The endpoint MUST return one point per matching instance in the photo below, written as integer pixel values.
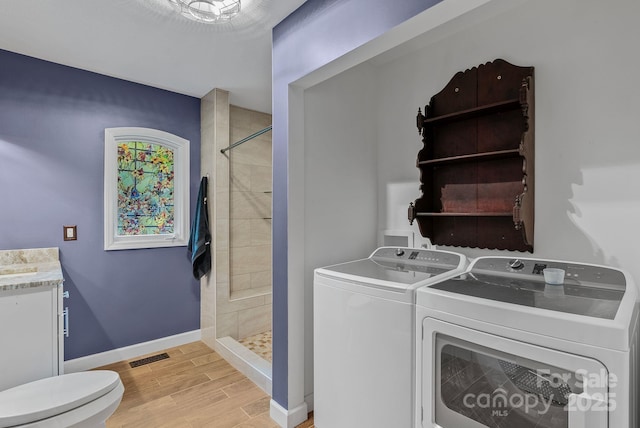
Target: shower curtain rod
(245, 139)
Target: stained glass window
(146, 189)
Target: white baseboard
(288, 418)
(309, 400)
(128, 352)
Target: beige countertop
(29, 268)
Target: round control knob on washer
(516, 264)
(399, 252)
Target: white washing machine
(498, 347)
(364, 318)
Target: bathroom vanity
(31, 316)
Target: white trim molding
(288, 418)
(128, 352)
(180, 148)
(257, 369)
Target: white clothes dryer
(498, 347)
(364, 317)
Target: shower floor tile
(259, 344)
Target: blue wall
(317, 33)
(52, 121)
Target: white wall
(340, 180)
(587, 107)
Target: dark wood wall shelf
(473, 112)
(483, 214)
(477, 156)
(477, 161)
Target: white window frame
(180, 147)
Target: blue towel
(199, 246)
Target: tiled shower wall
(249, 224)
(250, 204)
(236, 298)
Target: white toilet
(79, 400)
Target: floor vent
(151, 359)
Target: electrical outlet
(70, 233)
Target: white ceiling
(146, 41)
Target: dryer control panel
(532, 269)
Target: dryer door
(473, 379)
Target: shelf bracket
(420, 120)
(524, 101)
(411, 212)
(517, 218)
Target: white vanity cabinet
(31, 345)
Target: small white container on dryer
(553, 276)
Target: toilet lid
(52, 396)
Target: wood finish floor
(193, 388)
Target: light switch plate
(70, 233)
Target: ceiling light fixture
(207, 11)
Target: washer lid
(382, 273)
(397, 269)
(52, 396)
